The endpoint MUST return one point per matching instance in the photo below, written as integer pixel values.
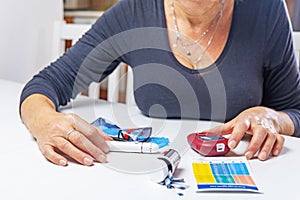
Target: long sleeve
(281, 74)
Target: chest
(163, 85)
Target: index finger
(222, 129)
(238, 132)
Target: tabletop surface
(26, 174)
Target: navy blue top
(256, 67)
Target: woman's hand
(265, 125)
(61, 136)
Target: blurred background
(102, 5)
(294, 11)
(88, 4)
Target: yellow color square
(203, 173)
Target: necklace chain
(195, 42)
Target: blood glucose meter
(208, 143)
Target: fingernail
(276, 153)
(102, 158)
(249, 155)
(263, 156)
(87, 161)
(232, 144)
(106, 149)
(62, 162)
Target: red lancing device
(208, 143)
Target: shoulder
(263, 11)
(260, 2)
(128, 15)
(266, 6)
(132, 7)
(135, 13)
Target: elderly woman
(222, 60)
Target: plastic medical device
(134, 147)
(208, 144)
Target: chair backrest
(114, 83)
(129, 88)
(296, 38)
(64, 31)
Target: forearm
(285, 124)
(33, 108)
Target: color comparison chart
(224, 174)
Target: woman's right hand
(63, 136)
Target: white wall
(26, 28)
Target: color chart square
(222, 173)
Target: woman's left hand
(265, 125)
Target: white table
(26, 174)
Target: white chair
(296, 38)
(129, 88)
(64, 31)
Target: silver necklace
(201, 36)
(184, 46)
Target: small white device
(240, 149)
(134, 147)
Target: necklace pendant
(188, 53)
